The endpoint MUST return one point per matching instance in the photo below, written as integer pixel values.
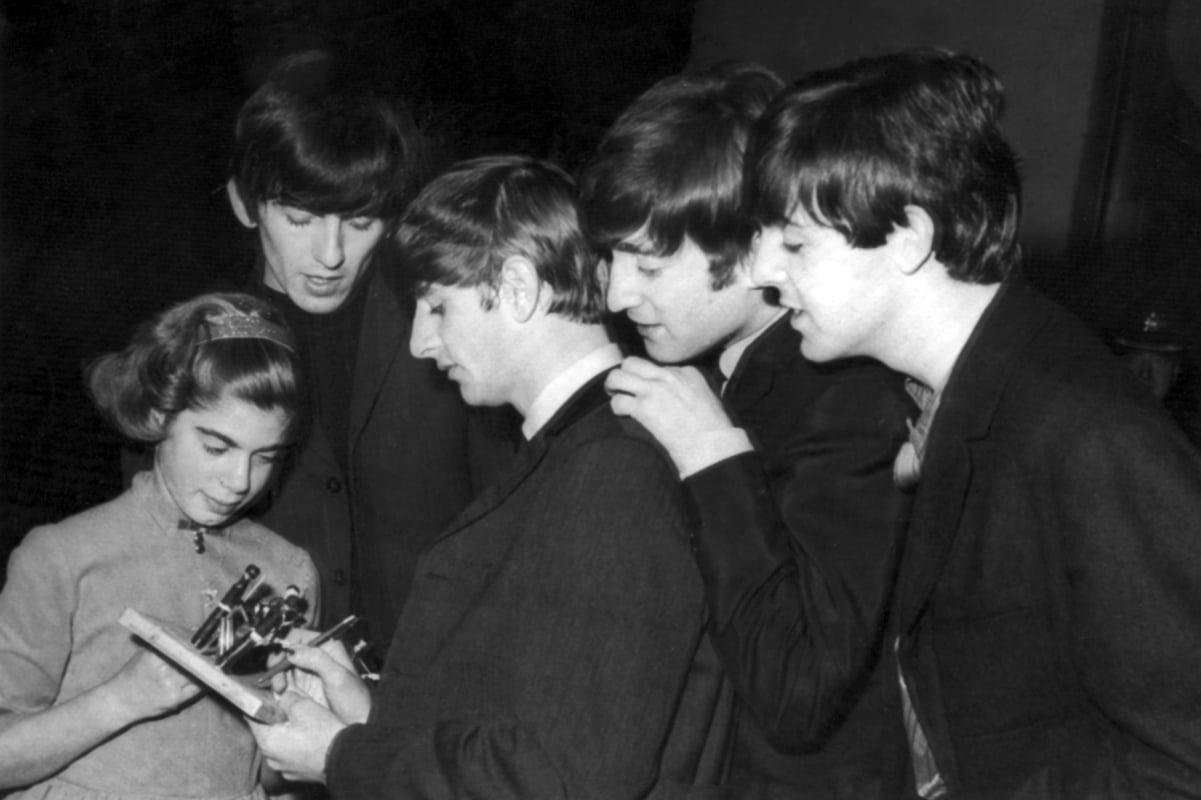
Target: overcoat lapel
(962, 423)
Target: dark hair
(673, 162)
(465, 223)
(317, 136)
(853, 146)
(194, 354)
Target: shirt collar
(556, 393)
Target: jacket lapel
(961, 425)
(531, 454)
(932, 527)
(755, 374)
(452, 573)
(460, 572)
(383, 336)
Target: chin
(208, 519)
(320, 305)
(470, 397)
(667, 354)
(213, 519)
(818, 353)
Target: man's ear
(914, 239)
(519, 287)
(158, 422)
(238, 204)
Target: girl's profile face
(216, 460)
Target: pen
(225, 606)
(322, 638)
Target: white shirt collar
(568, 382)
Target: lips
(222, 508)
(321, 285)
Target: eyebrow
(232, 443)
(217, 435)
(429, 292)
(635, 249)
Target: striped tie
(925, 769)
(907, 469)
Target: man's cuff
(707, 449)
(334, 753)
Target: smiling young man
(553, 645)
(1044, 626)
(323, 164)
(792, 458)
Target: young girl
(87, 711)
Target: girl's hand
(150, 686)
(38, 744)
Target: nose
(328, 247)
(237, 478)
(766, 264)
(422, 340)
(621, 293)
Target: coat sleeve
(799, 561)
(613, 615)
(1128, 500)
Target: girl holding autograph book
(87, 712)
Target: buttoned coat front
(552, 646)
(1046, 618)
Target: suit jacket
(412, 443)
(798, 544)
(553, 644)
(1047, 606)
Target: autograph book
(252, 702)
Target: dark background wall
(114, 121)
(114, 117)
(1104, 100)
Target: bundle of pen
(247, 623)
